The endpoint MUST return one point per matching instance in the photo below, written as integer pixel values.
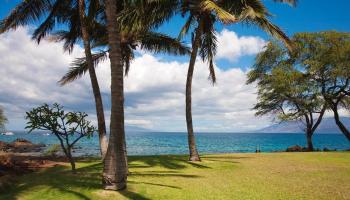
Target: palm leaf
(208, 45)
(80, 67)
(224, 16)
(157, 42)
(24, 13)
(184, 30)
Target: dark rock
(20, 146)
(295, 148)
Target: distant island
(327, 126)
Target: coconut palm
(84, 23)
(151, 41)
(202, 15)
(136, 14)
(3, 119)
(72, 14)
(114, 175)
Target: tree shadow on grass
(166, 161)
(59, 179)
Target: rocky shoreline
(19, 157)
(21, 146)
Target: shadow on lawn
(166, 161)
(88, 178)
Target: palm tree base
(194, 158)
(114, 187)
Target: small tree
(68, 127)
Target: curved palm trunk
(94, 83)
(114, 175)
(194, 156)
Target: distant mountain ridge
(130, 128)
(327, 125)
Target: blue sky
(155, 87)
(307, 16)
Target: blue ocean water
(156, 143)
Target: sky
(155, 86)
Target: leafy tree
(3, 119)
(286, 91)
(68, 127)
(326, 58)
(202, 16)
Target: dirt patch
(13, 165)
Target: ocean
(157, 143)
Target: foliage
(150, 41)
(202, 16)
(285, 89)
(326, 58)
(53, 150)
(3, 119)
(66, 126)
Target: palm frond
(57, 13)
(223, 15)
(68, 37)
(80, 67)
(184, 30)
(158, 42)
(132, 18)
(25, 13)
(254, 12)
(290, 2)
(208, 45)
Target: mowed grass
(224, 176)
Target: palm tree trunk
(94, 83)
(114, 175)
(194, 156)
(341, 126)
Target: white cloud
(154, 88)
(232, 47)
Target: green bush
(53, 150)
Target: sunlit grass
(223, 176)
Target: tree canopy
(68, 127)
(285, 90)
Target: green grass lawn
(223, 176)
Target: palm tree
(114, 175)
(151, 41)
(94, 83)
(3, 119)
(73, 14)
(202, 15)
